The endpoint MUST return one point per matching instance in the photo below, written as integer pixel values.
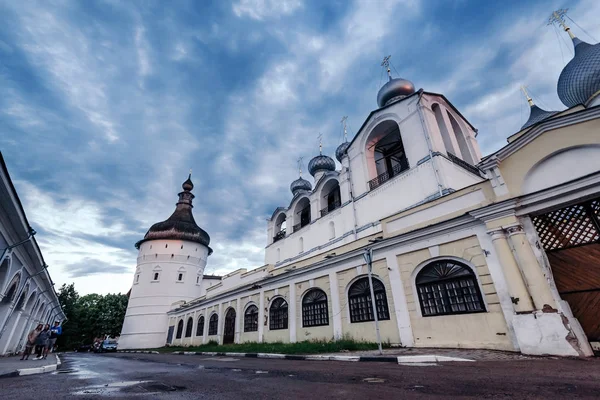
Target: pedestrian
(31, 340)
(41, 342)
(55, 332)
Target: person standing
(55, 332)
(31, 341)
(41, 342)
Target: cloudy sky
(105, 105)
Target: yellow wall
(467, 330)
(515, 167)
(365, 331)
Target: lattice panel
(596, 207)
(567, 227)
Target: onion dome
(321, 163)
(579, 81)
(536, 115)
(300, 184)
(181, 224)
(395, 89)
(340, 152)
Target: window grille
(448, 287)
(570, 226)
(200, 326)
(278, 314)
(179, 330)
(314, 309)
(189, 327)
(359, 298)
(213, 323)
(251, 319)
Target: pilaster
(292, 306)
(400, 305)
(335, 305)
(261, 316)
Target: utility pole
(368, 256)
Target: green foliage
(89, 316)
(306, 347)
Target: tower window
(137, 278)
(166, 245)
(156, 275)
(180, 277)
(198, 279)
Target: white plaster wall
(145, 323)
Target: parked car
(105, 346)
(83, 348)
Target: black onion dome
(341, 151)
(319, 163)
(394, 89)
(536, 115)
(300, 184)
(181, 224)
(579, 81)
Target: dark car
(83, 348)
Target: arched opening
(461, 140)
(251, 319)
(11, 292)
(229, 327)
(189, 327)
(331, 230)
(278, 314)
(213, 324)
(302, 214)
(4, 267)
(280, 226)
(314, 308)
(179, 329)
(439, 118)
(359, 298)
(200, 326)
(330, 198)
(448, 287)
(385, 153)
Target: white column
(9, 334)
(238, 318)
(220, 324)
(335, 306)
(205, 333)
(261, 316)
(292, 310)
(399, 300)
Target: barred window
(359, 297)
(314, 308)
(448, 287)
(213, 323)
(179, 329)
(200, 326)
(189, 327)
(278, 314)
(251, 319)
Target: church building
(496, 252)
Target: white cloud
(261, 9)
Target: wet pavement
(167, 376)
(13, 363)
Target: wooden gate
(571, 238)
(229, 331)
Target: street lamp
(368, 256)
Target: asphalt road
(125, 376)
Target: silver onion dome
(300, 184)
(395, 89)
(579, 81)
(320, 163)
(340, 152)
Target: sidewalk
(13, 366)
(471, 354)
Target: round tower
(170, 264)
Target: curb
(33, 371)
(315, 357)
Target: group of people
(42, 338)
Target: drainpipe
(428, 140)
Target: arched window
(359, 297)
(278, 314)
(331, 230)
(302, 214)
(448, 287)
(213, 324)
(200, 326)
(330, 197)
(439, 118)
(189, 327)
(251, 319)
(301, 245)
(179, 329)
(461, 140)
(156, 275)
(385, 153)
(314, 308)
(280, 226)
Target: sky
(105, 105)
